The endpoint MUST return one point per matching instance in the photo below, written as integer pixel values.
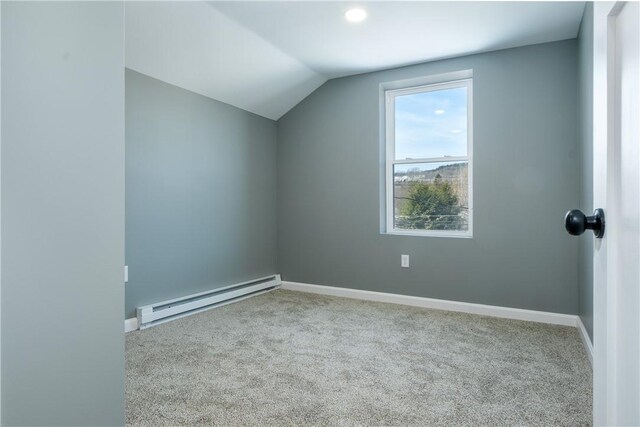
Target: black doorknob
(576, 222)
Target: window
(429, 159)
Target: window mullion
(449, 159)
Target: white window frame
(391, 91)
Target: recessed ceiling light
(439, 112)
(456, 131)
(355, 15)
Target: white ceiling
(196, 47)
(266, 56)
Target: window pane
(431, 196)
(431, 124)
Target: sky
(431, 124)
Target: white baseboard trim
(131, 324)
(438, 304)
(588, 346)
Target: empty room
(327, 213)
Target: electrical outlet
(126, 273)
(404, 261)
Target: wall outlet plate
(404, 261)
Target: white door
(617, 189)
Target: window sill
(417, 233)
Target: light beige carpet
(289, 358)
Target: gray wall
(62, 213)
(200, 193)
(585, 132)
(525, 179)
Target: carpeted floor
(289, 358)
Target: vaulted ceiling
(267, 56)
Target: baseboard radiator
(154, 314)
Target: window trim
(390, 91)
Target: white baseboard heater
(154, 314)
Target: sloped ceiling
(266, 56)
(194, 46)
